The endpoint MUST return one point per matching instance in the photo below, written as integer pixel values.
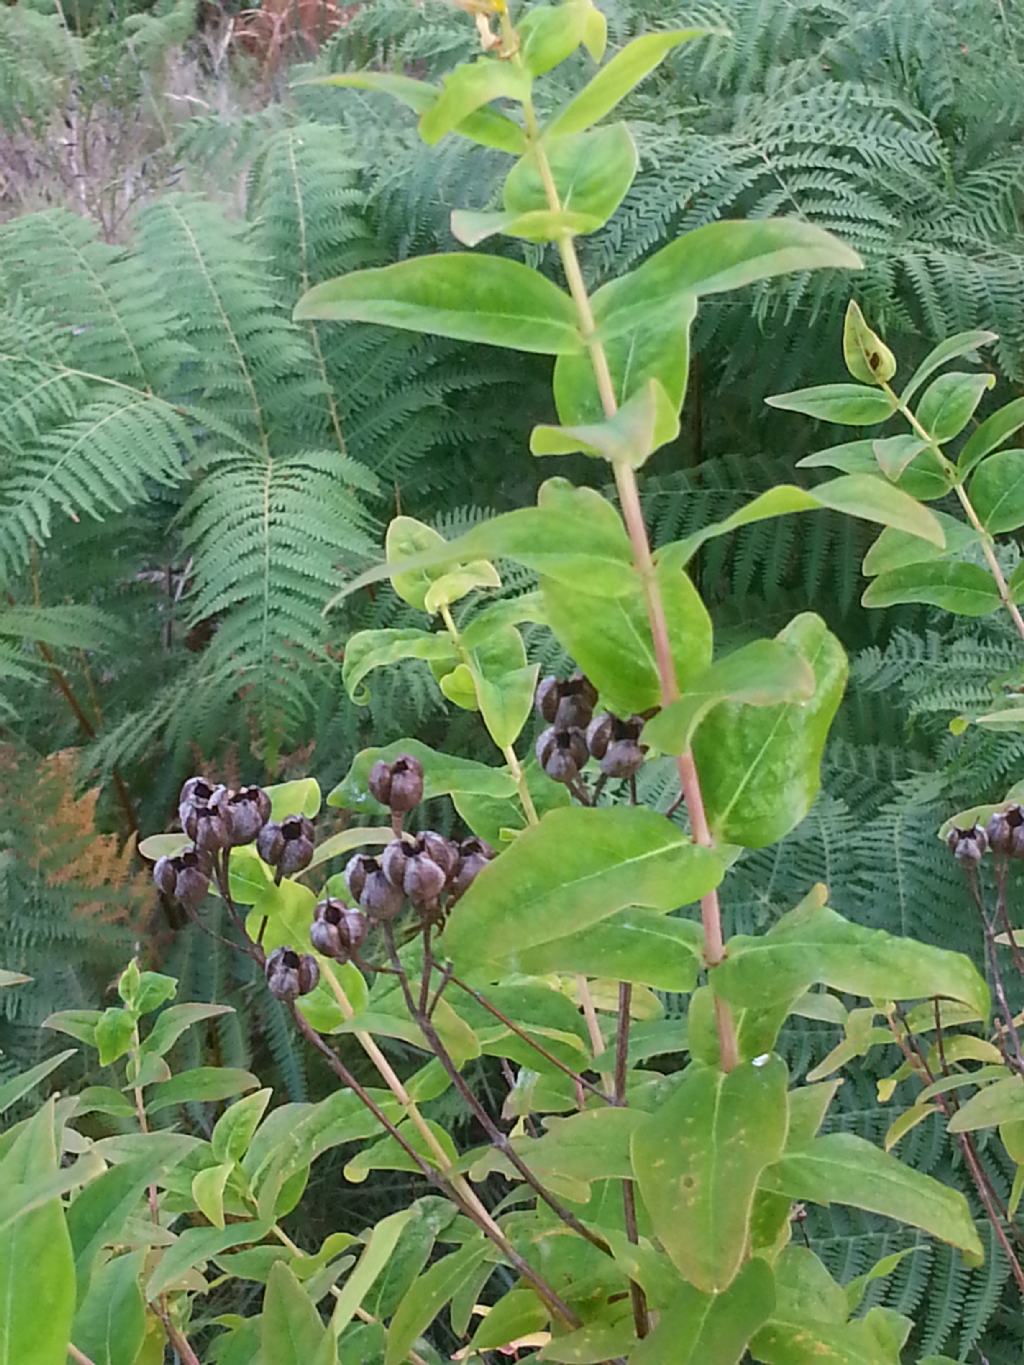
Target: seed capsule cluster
(574, 734)
(425, 871)
(1003, 834)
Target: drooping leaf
(471, 298)
(196, 1245)
(539, 225)
(614, 81)
(698, 1328)
(760, 766)
(814, 945)
(763, 673)
(966, 589)
(948, 404)
(379, 1246)
(575, 868)
(172, 1022)
(517, 1315)
(895, 453)
(698, 1160)
(842, 1168)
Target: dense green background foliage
(185, 472)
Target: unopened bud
(615, 744)
(249, 808)
(290, 974)
(184, 878)
(374, 891)
(288, 847)
(398, 784)
(968, 845)
(567, 704)
(338, 930)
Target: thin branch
(539, 1048)
(637, 1297)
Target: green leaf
(644, 422)
(174, 1021)
(12, 978)
(614, 81)
(698, 1329)
(408, 538)
(995, 429)
(592, 1145)
(596, 554)
(335, 845)
(454, 586)
(110, 1325)
(290, 1330)
(712, 259)
(842, 1168)
(467, 89)
(427, 1297)
(1002, 1102)
(997, 491)
(195, 1246)
(470, 298)
(592, 173)
(575, 868)
(485, 126)
(698, 1161)
(154, 990)
(856, 495)
(851, 457)
(857, 1288)
(13, 1090)
(498, 820)
(540, 225)
(896, 549)
(37, 1276)
(763, 673)
(443, 775)
(550, 33)
(301, 797)
(208, 1186)
(867, 357)
(388, 1154)
(948, 404)
(115, 1030)
(380, 1245)
(370, 649)
(761, 766)
(655, 348)
(895, 453)
(98, 1215)
(813, 945)
(517, 1314)
(849, 404)
(966, 589)
(200, 1085)
(610, 638)
(635, 945)
(961, 344)
(234, 1130)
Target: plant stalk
(629, 499)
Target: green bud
(867, 357)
